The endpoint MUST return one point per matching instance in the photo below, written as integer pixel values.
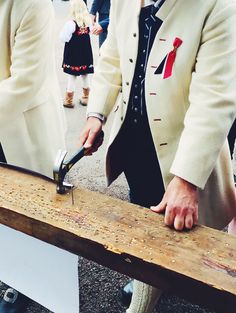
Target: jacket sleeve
(96, 6)
(212, 98)
(106, 83)
(28, 63)
(104, 24)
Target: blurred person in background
(101, 27)
(32, 122)
(102, 9)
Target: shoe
(125, 294)
(13, 302)
(84, 98)
(68, 101)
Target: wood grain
(199, 265)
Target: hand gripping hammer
(62, 167)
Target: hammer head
(59, 172)
(61, 167)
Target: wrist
(99, 116)
(185, 182)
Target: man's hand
(180, 203)
(88, 135)
(97, 29)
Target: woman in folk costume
(78, 56)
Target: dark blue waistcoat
(138, 155)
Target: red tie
(171, 58)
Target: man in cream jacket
(167, 75)
(32, 126)
(32, 129)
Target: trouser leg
(102, 38)
(2, 155)
(142, 169)
(146, 192)
(231, 137)
(143, 174)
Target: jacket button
(134, 34)
(127, 83)
(131, 60)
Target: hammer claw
(58, 165)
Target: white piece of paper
(43, 272)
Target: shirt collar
(149, 2)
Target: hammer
(62, 167)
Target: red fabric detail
(77, 68)
(171, 58)
(83, 31)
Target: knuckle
(171, 208)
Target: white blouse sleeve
(67, 31)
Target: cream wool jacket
(190, 112)
(32, 125)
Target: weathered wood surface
(199, 265)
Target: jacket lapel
(162, 44)
(165, 9)
(131, 41)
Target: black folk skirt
(78, 55)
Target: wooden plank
(199, 265)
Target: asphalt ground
(99, 286)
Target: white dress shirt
(149, 2)
(67, 31)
